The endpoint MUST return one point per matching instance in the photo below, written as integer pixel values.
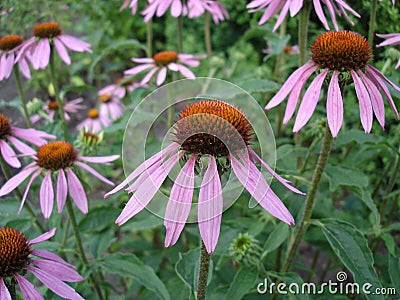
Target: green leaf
(288, 278)
(259, 85)
(99, 218)
(356, 136)
(343, 176)
(352, 249)
(276, 237)
(244, 280)
(394, 270)
(389, 243)
(129, 265)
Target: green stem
(149, 38)
(57, 94)
(203, 274)
(78, 240)
(303, 30)
(21, 96)
(179, 24)
(390, 186)
(207, 33)
(372, 20)
(322, 160)
(7, 173)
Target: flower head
(272, 7)
(342, 57)
(132, 5)
(59, 159)
(391, 39)
(110, 106)
(18, 256)
(51, 108)
(163, 61)
(94, 121)
(12, 135)
(46, 37)
(211, 129)
(9, 47)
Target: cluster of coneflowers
(204, 129)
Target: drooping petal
(76, 191)
(186, 72)
(334, 105)
(34, 176)
(94, 172)
(62, 190)
(147, 190)
(282, 15)
(161, 76)
(43, 237)
(46, 195)
(366, 114)
(139, 69)
(4, 293)
(99, 159)
(21, 147)
(27, 288)
(320, 13)
(56, 286)
(295, 7)
(50, 256)
(210, 206)
(17, 179)
(309, 101)
(176, 8)
(331, 10)
(42, 54)
(9, 154)
(31, 135)
(74, 44)
(379, 74)
(62, 51)
(148, 76)
(180, 201)
(58, 270)
(147, 60)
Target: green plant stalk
(12, 290)
(390, 186)
(21, 95)
(372, 20)
(322, 160)
(207, 33)
(7, 174)
(203, 274)
(78, 240)
(179, 24)
(57, 94)
(149, 38)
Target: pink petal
(58, 270)
(50, 256)
(334, 105)
(162, 7)
(295, 7)
(31, 135)
(148, 76)
(161, 76)
(320, 13)
(43, 237)
(46, 195)
(34, 176)
(210, 206)
(139, 69)
(331, 10)
(176, 8)
(9, 154)
(186, 72)
(379, 74)
(271, 10)
(24, 67)
(146, 192)
(62, 190)
(21, 147)
(289, 84)
(94, 172)
(99, 159)
(309, 101)
(366, 113)
(62, 51)
(4, 293)
(147, 60)
(41, 54)
(76, 191)
(179, 203)
(74, 44)
(56, 286)
(27, 288)
(282, 15)
(17, 179)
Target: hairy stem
(203, 274)
(372, 20)
(149, 38)
(21, 96)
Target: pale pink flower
(198, 7)
(46, 36)
(59, 159)
(94, 121)
(18, 257)
(9, 47)
(132, 5)
(163, 61)
(337, 55)
(110, 106)
(292, 50)
(70, 107)
(392, 39)
(7, 10)
(209, 128)
(12, 135)
(272, 7)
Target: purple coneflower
(121, 87)
(206, 128)
(341, 57)
(272, 7)
(17, 258)
(51, 108)
(11, 134)
(392, 39)
(132, 5)
(9, 47)
(291, 50)
(57, 158)
(161, 62)
(46, 36)
(94, 121)
(110, 106)
(198, 7)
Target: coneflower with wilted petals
(9, 47)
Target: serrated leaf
(276, 237)
(352, 249)
(243, 281)
(129, 265)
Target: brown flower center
(105, 98)
(53, 105)
(5, 127)
(166, 57)
(56, 155)
(341, 50)
(125, 82)
(93, 113)
(212, 127)
(9, 42)
(47, 30)
(14, 252)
